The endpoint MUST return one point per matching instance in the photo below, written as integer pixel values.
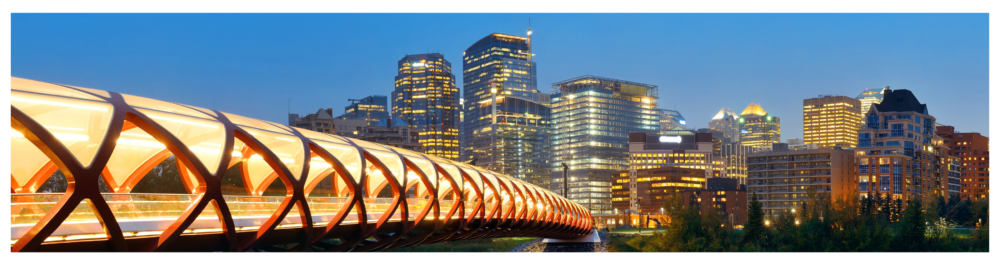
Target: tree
(753, 228)
(913, 227)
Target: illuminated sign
(670, 139)
(683, 123)
(418, 64)
(744, 131)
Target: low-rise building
(725, 196)
(395, 133)
(321, 121)
(782, 180)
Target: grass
(475, 245)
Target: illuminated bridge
(92, 170)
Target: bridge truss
(340, 194)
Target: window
(864, 140)
(884, 183)
(897, 176)
(897, 130)
(863, 166)
(883, 165)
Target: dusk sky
(252, 64)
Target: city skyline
(777, 64)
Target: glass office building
(671, 120)
(498, 68)
(371, 109)
(426, 98)
(726, 122)
(869, 97)
(592, 118)
(759, 129)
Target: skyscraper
(869, 97)
(592, 118)
(499, 77)
(759, 129)
(426, 98)
(371, 109)
(831, 121)
(898, 153)
(671, 120)
(726, 122)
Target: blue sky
(252, 64)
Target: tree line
(871, 223)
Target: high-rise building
(371, 109)
(671, 120)
(426, 98)
(499, 77)
(727, 122)
(759, 129)
(782, 179)
(869, 97)
(831, 121)
(591, 121)
(972, 152)
(898, 153)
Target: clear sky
(253, 64)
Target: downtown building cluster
(605, 143)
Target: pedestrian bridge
(92, 170)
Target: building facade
(591, 121)
(395, 133)
(971, 151)
(426, 98)
(371, 109)
(869, 97)
(499, 77)
(683, 149)
(898, 153)
(831, 121)
(652, 187)
(671, 120)
(728, 123)
(724, 196)
(321, 121)
(759, 129)
(782, 180)
(349, 127)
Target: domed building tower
(758, 129)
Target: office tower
(781, 179)
(971, 150)
(727, 122)
(591, 119)
(759, 129)
(321, 121)
(371, 109)
(898, 153)
(671, 120)
(499, 77)
(869, 97)
(426, 98)
(831, 121)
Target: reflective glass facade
(498, 68)
(371, 109)
(592, 118)
(671, 120)
(426, 98)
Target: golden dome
(753, 110)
